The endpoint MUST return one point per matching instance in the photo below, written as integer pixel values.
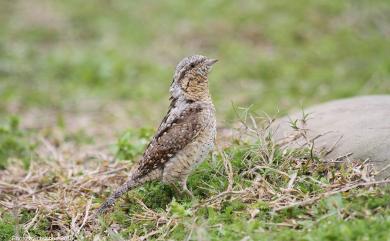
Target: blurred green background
(274, 55)
(93, 69)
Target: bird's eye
(192, 65)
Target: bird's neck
(184, 99)
(191, 97)
(199, 92)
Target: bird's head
(190, 79)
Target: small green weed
(132, 143)
(7, 226)
(14, 143)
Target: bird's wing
(171, 139)
(164, 122)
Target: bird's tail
(130, 184)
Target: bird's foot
(186, 190)
(183, 190)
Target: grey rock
(356, 128)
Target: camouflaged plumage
(175, 135)
(186, 134)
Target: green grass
(359, 214)
(109, 64)
(7, 227)
(274, 54)
(354, 215)
(14, 143)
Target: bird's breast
(180, 165)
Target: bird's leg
(177, 190)
(185, 188)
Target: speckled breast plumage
(179, 166)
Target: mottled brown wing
(173, 138)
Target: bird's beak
(210, 62)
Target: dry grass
(64, 185)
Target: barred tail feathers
(127, 186)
